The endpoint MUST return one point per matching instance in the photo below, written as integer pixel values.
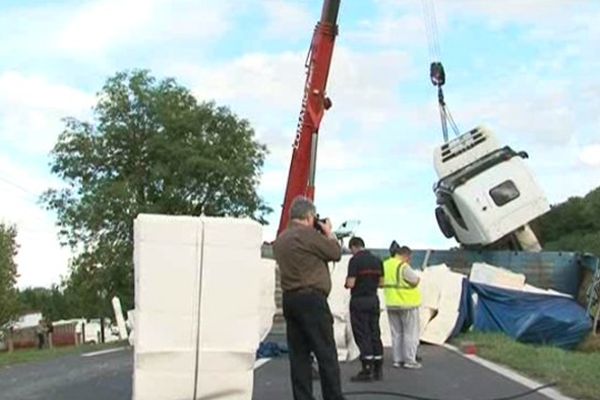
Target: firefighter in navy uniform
(365, 275)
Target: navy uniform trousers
(364, 317)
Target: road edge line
(511, 374)
(260, 362)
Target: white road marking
(512, 375)
(260, 362)
(101, 352)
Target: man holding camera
(302, 252)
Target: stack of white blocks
(442, 290)
(197, 302)
(339, 304)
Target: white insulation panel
(198, 288)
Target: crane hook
(437, 74)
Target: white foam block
(353, 352)
(170, 278)
(495, 276)
(339, 297)
(430, 286)
(168, 375)
(551, 292)
(198, 300)
(339, 304)
(384, 322)
(439, 328)
(439, 311)
(116, 303)
(425, 315)
(451, 293)
(267, 306)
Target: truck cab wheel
(444, 223)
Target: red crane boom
(301, 176)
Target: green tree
(151, 148)
(51, 302)
(9, 304)
(573, 225)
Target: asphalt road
(445, 375)
(73, 377)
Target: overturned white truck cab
(485, 192)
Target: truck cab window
(504, 193)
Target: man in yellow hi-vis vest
(402, 299)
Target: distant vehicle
(93, 331)
(486, 192)
(89, 331)
(28, 320)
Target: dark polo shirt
(302, 254)
(368, 270)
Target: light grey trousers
(404, 325)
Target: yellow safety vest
(397, 291)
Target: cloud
(31, 108)
(533, 11)
(110, 23)
(365, 86)
(28, 30)
(277, 80)
(250, 78)
(37, 92)
(273, 182)
(40, 259)
(97, 26)
(546, 116)
(288, 19)
(92, 30)
(590, 155)
(390, 29)
(267, 89)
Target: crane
(301, 176)
(485, 194)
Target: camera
(316, 223)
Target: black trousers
(40, 340)
(310, 329)
(364, 317)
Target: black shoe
(366, 373)
(378, 369)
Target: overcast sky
(526, 69)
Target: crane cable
(436, 70)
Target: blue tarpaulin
(465, 311)
(529, 317)
(270, 350)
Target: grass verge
(32, 355)
(576, 373)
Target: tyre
(444, 223)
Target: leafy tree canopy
(151, 148)
(9, 305)
(51, 302)
(573, 225)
